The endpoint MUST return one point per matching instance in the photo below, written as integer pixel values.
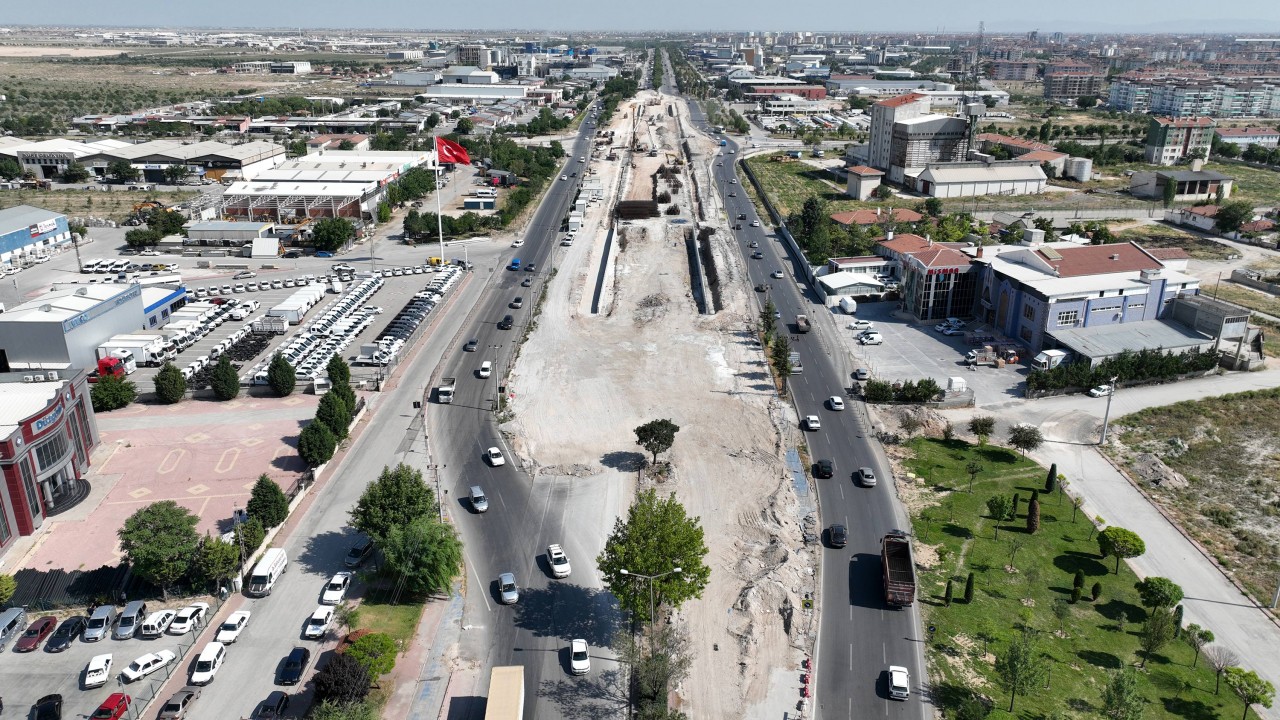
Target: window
(5, 532)
(1029, 312)
(1025, 334)
(51, 452)
(29, 486)
(1068, 317)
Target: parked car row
(342, 322)
(406, 322)
(242, 287)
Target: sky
(563, 16)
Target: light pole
(1106, 417)
(650, 579)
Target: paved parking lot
(915, 351)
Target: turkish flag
(448, 151)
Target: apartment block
(1169, 140)
(1066, 80)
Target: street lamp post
(650, 579)
(1106, 417)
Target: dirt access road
(585, 381)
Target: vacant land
(1244, 297)
(1025, 580)
(1253, 185)
(1159, 235)
(115, 205)
(1213, 465)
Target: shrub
(1095, 592)
(673, 210)
(171, 386)
(1079, 579)
(968, 589)
(112, 393)
(1075, 594)
(334, 414)
(316, 444)
(878, 391)
(1033, 513)
(946, 597)
(281, 376)
(224, 380)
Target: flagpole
(439, 219)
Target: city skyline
(560, 16)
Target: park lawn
(398, 621)
(1160, 235)
(1013, 589)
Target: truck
(506, 694)
(993, 355)
(796, 366)
(184, 334)
(1049, 359)
(123, 354)
(899, 569)
(108, 366)
(292, 312)
(269, 325)
(802, 323)
(444, 393)
(848, 305)
(148, 351)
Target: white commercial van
(268, 570)
(486, 193)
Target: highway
(860, 636)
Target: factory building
(65, 327)
(26, 233)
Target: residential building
(1244, 137)
(1067, 80)
(1169, 140)
(1190, 95)
(1194, 184)
(884, 115)
(1019, 70)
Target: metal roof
(1103, 341)
(21, 217)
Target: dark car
(359, 552)
(506, 323)
(295, 666)
(531, 267)
(527, 282)
(274, 706)
(838, 536)
(824, 469)
(180, 704)
(66, 633)
(35, 634)
(293, 254)
(49, 707)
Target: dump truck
(802, 323)
(899, 569)
(506, 694)
(444, 393)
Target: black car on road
(838, 535)
(824, 469)
(295, 666)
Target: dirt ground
(586, 381)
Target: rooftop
(864, 170)
(901, 100)
(1186, 122)
(19, 401)
(65, 303)
(23, 216)
(867, 216)
(1007, 171)
(1097, 259)
(1246, 131)
(1100, 341)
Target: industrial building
(1194, 184)
(980, 177)
(64, 327)
(47, 435)
(27, 232)
(47, 159)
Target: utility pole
(1106, 417)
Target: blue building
(27, 232)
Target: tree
(1025, 437)
(384, 212)
(1232, 215)
(1121, 544)
(465, 126)
(1051, 480)
(1170, 193)
(338, 371)
(968, 589)
(933, 207)
(160, 542)
(342, 680)
(982, 426)
(1095, 592)
(334, 413)
(397, 497)
(1251, 689)
(332, 233)
(175, 174)
(224, 380)
(140, 238)
(1121, 698)
(947, 596)
(75, 173)
(1021, 668)
(656, 538)
(112, 392)
(281, 376)
(329, 710)
(1220, 658)
(999, 508)
(1197, 637)
(10, 169)
(346, 145)
(8, 586)
(657, 436)
(347, 396)
(1158, 592)
(1062, 608)
(972, 468)
(1033, 513)
(217, 560)
(375, 651)
(267, 502)
(1084, 102)
(433, 120)
(249, 535)
(882, 192)
(424, 554)
(316, 444)
(1157, 631)
(768, 323)
(122, 170)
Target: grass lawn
(1160, 235)
(1018, 578)
(398, 621)
(1253, 185)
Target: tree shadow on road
(324, 552)
(603, 695)
(567, 611)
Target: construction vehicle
(899, 569)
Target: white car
(208, 662)
(231, 628)
(899, 682)
(97, 671)
(318, 623)
(518, 242)
(811, 422)
(336, 590)
(755, 223)
(871, 338)
(146, 665)
(157, 622)
(777, 275)
(559, 562)
(1101, 391)
(835, 402)
(579, 658)
(494, 457)
(861, 325)
(189, 618)
(149, 253)
(564, 177)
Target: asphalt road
(524, 515)
(860, 636)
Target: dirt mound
(1152, 469)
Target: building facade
(47, 433)
(1065, 81)
(884, 115)
(66, 326)
(27, 232)
(1169, 140)
(917, 142)
(1244, 137)
(1195, 96)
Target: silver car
(508, 593)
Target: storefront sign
(43, 423)
(41, 228)
(102, 308)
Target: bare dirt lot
(586, 381)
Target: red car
(113, 708)
(35, 634)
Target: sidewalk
(422, 676)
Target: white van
(268, 570)
(486, 193)
(207, 664)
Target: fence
(1253, 279)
